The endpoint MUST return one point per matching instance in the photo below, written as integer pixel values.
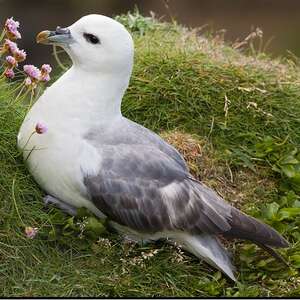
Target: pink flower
(11, 27)
(9, 73)
(33, 72)
(40, 128)
(45, 77)
(28, 81)
(20, 55)
(46, 68)
(11, 61)
(31, 232)
(9, 46)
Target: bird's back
(127, 132)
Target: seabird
(91, 156)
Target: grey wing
(143, 188)
(161, 144)
(127, 132)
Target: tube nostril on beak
(60, 30)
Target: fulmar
(93, 157)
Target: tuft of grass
(234, 116)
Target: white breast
(59, 158)
(76, 104)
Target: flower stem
(23, 149)
(58, 60)
(31, 99)
(15, 202)
(19, 95)
(29, 154)
(39, 89)
(2, 35)
(13, 91)
(21, 91)
(2, 75)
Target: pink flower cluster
(36, 75)
(12, 48)
(31, 232)
(11, 61)
(45, 71)
(15, 56)
(11, 29)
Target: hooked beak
(59, 36)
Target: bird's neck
(95, 94)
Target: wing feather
(148, 191)
(144, 184)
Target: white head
(95, 43)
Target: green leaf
(289, 160)
(288, 170)
(296, 260)
(288, 213)
(52, 235)
(70, 224)
(269, 212)
(296, 180)
(94, 226)
(289, 199)
(265, 147)
(296, 235)
(244, 158)
(296, 204)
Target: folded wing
(146, 190)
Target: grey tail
(208, 248)
(248, 228)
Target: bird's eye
(91, 38)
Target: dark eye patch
(91, 38)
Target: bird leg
(67, 208)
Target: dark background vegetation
(279, 20)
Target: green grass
(250, 155)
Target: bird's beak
(60, 36)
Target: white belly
(58, 160)
(62, 157)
